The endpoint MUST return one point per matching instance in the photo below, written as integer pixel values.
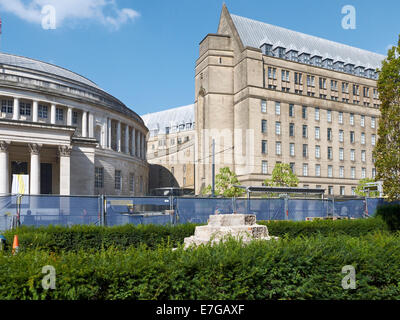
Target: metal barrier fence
(43, 210)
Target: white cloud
(103, 11)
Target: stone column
(84, 124)
(64, 153)
(35, 109)
(138, 144)
(34, 178)
(109, 136)
(143, 146)
(69, 116)
(133, 142)
(119, 136)
(127, 139)
(4, 172)
(16, 109)
(91, 125)
(53, 114)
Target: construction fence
(44, 210)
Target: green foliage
(360, 188)
(77, 238)
(225, 181)
(290, 268)
(57, 238)
(354, 228)
(390, 213)
(282, 176)
(387, 150)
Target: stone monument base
(239, 226)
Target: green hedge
(56, 238)
(390, 213)
(355, 228)
(94, 237)
(290, 268)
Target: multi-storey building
(65, 134)
(170, 147)
(277, 95)
(266, 95)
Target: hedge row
(55, 238)
(289, 268)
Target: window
(373, 122)
(362, 121)
(317, 133)
(353, 172)
(305, 169)
(292, 167)
(316, 114)
(24, 109)
(330, 153)
(117, 179)
(291, 129)
(352, 155)
(366, 92)
(341, 154)
(291, 110)
(345, 87)
(341, 172)
(330, 171)
(363, 155)
(285, 75)
(340, 118)
(373, 139)
(329, 115)
(291, 146)
(99, 177)
(263, 106)
(277, 108)
(132, 182)
(373, 173)
(263, 126)
(278, 148)
(271, 73)
(42, 111)
(322, 83)
(329, 134)
(341, 136)
(330, 190)
(264, 167)
(318, 170)
(298, 78)
(317, 152)
(342, 189)
(352, 137)
(59, 114)
(352, 119)
(277, 127)
(363, 173)
(264, 149)
(362, 138)
(304, 112)
(333, 85)
(310, 81)
(304, 131)
(7, 106)
(353, 191)
(356, 89)
(305, 150)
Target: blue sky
(144, 52)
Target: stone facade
(67, 134)
(241, 101)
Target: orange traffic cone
(15, 245)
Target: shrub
(390, 213)
(56, 238)
(290, 268)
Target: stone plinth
(239, 226)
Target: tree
(360, 188)
(224, 184)
(387, 150)
(282, 176)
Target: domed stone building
(67, 134)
